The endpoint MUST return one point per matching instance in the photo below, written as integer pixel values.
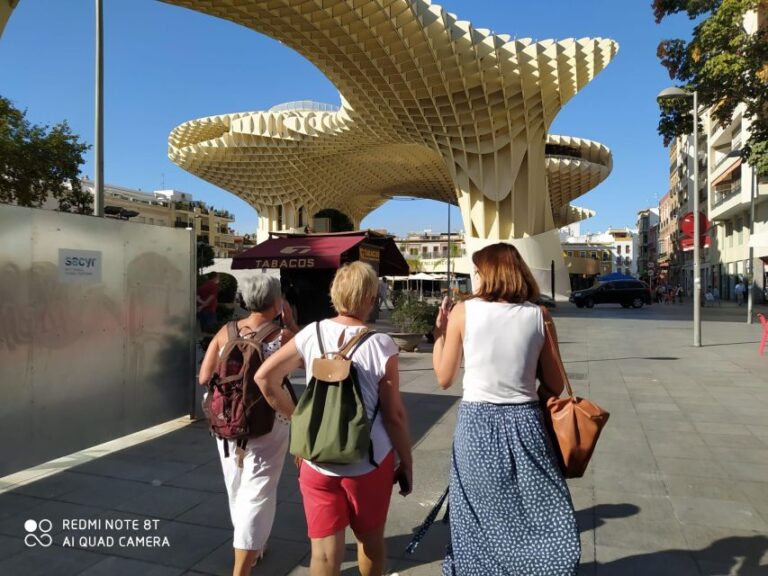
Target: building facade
(429, 251)
(169, 208)
(733, 191)
(647, 230)
(590, 255)
(728, 190)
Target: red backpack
(236, 408)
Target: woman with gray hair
(252, 486)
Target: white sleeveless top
(502, 343)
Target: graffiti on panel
(36, 306)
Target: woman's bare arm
(269, 377)
(211, 357)
(395, 418)
(447, 352)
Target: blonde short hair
(355, 286)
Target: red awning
(305, 252)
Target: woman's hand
(441, 322)
(288, 318)
(404, 476)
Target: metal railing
(723, 193)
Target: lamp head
(673, 92)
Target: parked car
(625, 292)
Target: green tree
(725, 63)
(40, 161)
(204, 257)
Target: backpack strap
(264, 331)
(319, 339)
(232, 331)
(354, 343)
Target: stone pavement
(678, 485)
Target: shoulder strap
(551, 340)
(232, 332)
(319, 339)
(264, 331)
(355, 342)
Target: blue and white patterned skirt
(510, 509)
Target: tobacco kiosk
(308, 262)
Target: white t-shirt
(502, 344)
(370, 359)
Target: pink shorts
(331, 503)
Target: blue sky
(166, 65)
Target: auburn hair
(504, 275)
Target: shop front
(308, 262)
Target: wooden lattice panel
(431, 107)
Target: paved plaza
(678, 485)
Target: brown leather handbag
(574, 424)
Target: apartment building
(431, 250)
(590, 255)
(647, 220)
(728, 188)
(170, 208)
(734, 188)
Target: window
(425, 249)
(593, 255)
(582, 254)
(414, 251)
(739, 232)
(618, 249)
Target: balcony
(724, 192)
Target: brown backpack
(237, 410)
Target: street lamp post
(670, 93)
(98, 148)
(448, 267)
(751, 269)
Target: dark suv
(625, 292)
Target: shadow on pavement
(176, 479)
(591, 518)
(735, 556)
(432, 547)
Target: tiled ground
(678, 485)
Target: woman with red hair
(510, 509)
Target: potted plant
(412, 319)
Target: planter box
(407, 341)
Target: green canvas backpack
(330, 424)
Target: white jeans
(252, 489)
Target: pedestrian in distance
(357, 494)
(384, 294)
(739, 291)
(252, 481)
(510, 508)
(679, 294)
(207, 302)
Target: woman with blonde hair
(510, 509)
(357, 495)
